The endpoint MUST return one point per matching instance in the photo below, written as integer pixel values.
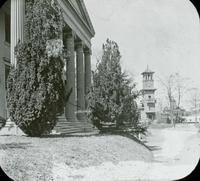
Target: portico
(78, 75)
(77, 34)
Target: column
(17, 25)
(80, 81)
(87, 56)
(70, 107)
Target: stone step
(73, 121)
(74, 124)
(9, 123)
(68, 131)
(73, 128)
(78, 129)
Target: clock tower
(148, 111)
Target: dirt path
(176, 153)
(168, 143)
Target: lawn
(32, 159)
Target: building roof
(147, 71)
(81, 10)
(77, 19)
(147, 90)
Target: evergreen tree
(35, 85)
(2, 122)
(111, 98)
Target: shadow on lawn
(117, 133)
(7, 146)
(69, 135)
(131, 136)
(154, 148)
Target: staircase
(62, 127)
(11, 128)
(65, 126)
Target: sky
(163, 34)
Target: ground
(32, 159)
(109, 158)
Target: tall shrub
(35, 85)
(111, 98)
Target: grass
(25, 158)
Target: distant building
(195, 109)
(147, 109)
(176, 113)
(194, 118)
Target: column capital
(87, 50)
(69, 33)
(78, 44)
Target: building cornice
(74, 20)
(85, 13)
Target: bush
(112, 96)
(35, 86)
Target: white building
(192, 118)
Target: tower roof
(147, 71)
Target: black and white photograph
(99, 90)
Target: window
(7, 70)
(151, 105)
(7, 28)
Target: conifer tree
(35, 86)
(111, 98)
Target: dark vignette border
(195, 175)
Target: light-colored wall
(146, 100)
(146, 95)
(192, 118)
(148, 84)
(4, 55)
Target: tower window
(7, 28)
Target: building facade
(148, 110)
(5, 61)
(77, 34)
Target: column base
(71, 119)
(81, 116)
